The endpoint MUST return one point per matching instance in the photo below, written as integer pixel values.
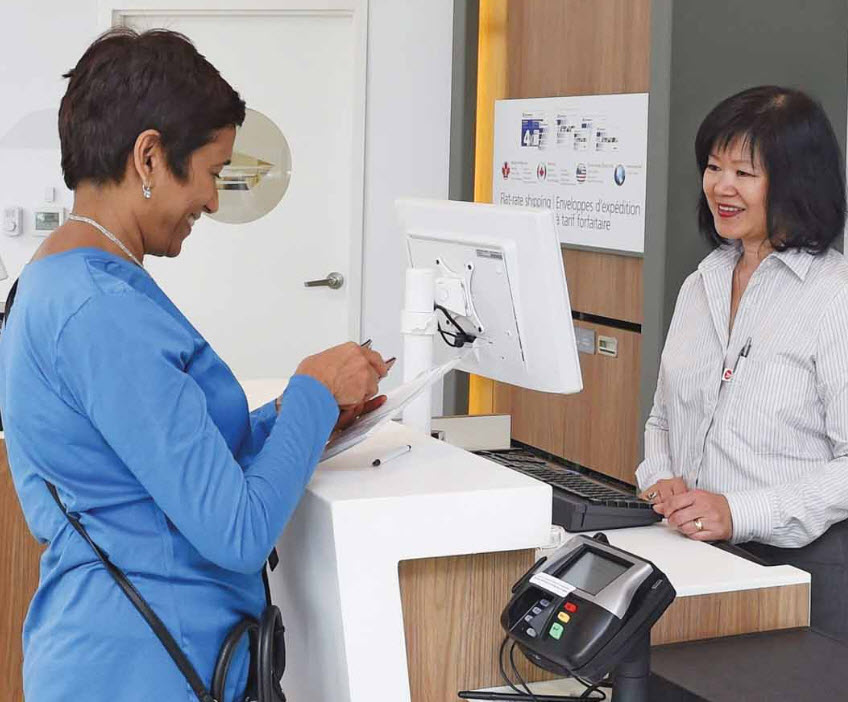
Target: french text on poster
(582, 157)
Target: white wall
(42, 40)
(407, 129)
(407, 147)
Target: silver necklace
(109, 235)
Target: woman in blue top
(110, 394)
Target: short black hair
(792, 137)
(127, 82)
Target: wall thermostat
(47, 219)
(12, 221)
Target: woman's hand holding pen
(350, 371)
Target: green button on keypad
(556, 630)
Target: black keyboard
(580, 502)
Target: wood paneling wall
(597, 428)
(619, 294)
(19, 554)
(451, 617)
(548, 48)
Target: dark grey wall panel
(702, 52)
(466, 15)
(720, 47)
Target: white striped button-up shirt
(774, 439)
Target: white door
(301, 64)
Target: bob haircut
(128, 82)
(792, 137)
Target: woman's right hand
(349, 371)
(662, 490)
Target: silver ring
(699, 525)
(651, 495)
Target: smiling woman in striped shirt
(747, 440)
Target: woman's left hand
(351, 414)
(689, 510)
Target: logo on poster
(505, 170)
(581, 172)
(541, 171)
(618, 174)
(531, 132)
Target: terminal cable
(456, 339)
(527, 695)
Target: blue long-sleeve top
(108, 392)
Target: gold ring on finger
(699, 525)
(651, 495)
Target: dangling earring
(145, 191)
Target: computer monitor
(499, 278)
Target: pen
(392, 454)
(389, 363)
(727, 374)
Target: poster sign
(582, 158)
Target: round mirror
(259, 173)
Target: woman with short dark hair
(748, 436)
(117, 409)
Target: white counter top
(697, 568)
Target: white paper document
(396, 400)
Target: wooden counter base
(452, 608)
(731, 613)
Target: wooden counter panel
(19, 554)
(452, 607)
(620, 295)
(732, 613)
(597, 428)
(451, 614)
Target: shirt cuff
(752, 516)
(318, 393)
(266, 414)
(648, 474)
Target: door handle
(333, 281)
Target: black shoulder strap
(133, 595)
(10, 298)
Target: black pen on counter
(392, 454)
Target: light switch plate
(585, 339)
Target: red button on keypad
(570, 607)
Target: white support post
(418, 327)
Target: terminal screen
(592, 572)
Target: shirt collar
(725, 256)
(796, 260)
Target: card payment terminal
(582, 611)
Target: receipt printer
(581, 611)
